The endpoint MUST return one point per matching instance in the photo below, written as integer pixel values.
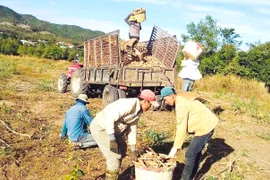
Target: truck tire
(77, 85)
(62, 83)
(109, 95)
(121, 93)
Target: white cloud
(53, 3)
(215, 10)
(158, 2)
(241, 2)
(262, 10)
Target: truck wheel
(78, 86)
(62, 83)
(121, 93)
(110, 94)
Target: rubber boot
(111, 175)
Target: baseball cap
(149, 95)
(166, 91)
(83, 97)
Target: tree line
(48, 50)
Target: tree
(39, 50)
(206, 32)
(10, 46)
(22, 51)
(256, 63)
(229, 36)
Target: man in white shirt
(115, 120)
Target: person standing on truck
(115, 121)
(134, 27)
(75, 125)
(192, 117)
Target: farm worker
(75, 124)
(77, 58)
(190, 72)
(116, 120)
(134, 26)
(192, 117)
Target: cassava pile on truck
(111, 71)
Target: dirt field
(30, 104)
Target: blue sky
(250, 19)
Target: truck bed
(105, 64)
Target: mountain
(28, 26)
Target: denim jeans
(88, 141)
(193, 155)
(187, 84)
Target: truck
(110, 73)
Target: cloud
(157, 2)
(262, 10)
(213, 10)
(53, 3)
(241, 2)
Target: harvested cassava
(155, 161)
(148, 61)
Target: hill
(30, 104)
(28, 26)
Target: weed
(75, 173)
(238, 106)
(5, 151)
(220, 93)
(46, 85)
(212, 178)
(5, 109)
(7, 69)
(72, 158)
(246, 153)
(141, 123)
(154, 138)
(264, 136)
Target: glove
(114, 146)
(172, 152)
(133, 156)
(62, 137)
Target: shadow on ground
(216, 150)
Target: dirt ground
(236, 151)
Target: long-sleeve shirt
(192, 117)
(134, 27)
(76, 121)
(190, 69)
(118, 116)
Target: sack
(192, 50)
(138, 14)
(188, 95)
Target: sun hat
(166, 91)
(83, 97)
(149, 95)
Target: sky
(249, 18)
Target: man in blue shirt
(75, 125)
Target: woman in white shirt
(189, 73)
